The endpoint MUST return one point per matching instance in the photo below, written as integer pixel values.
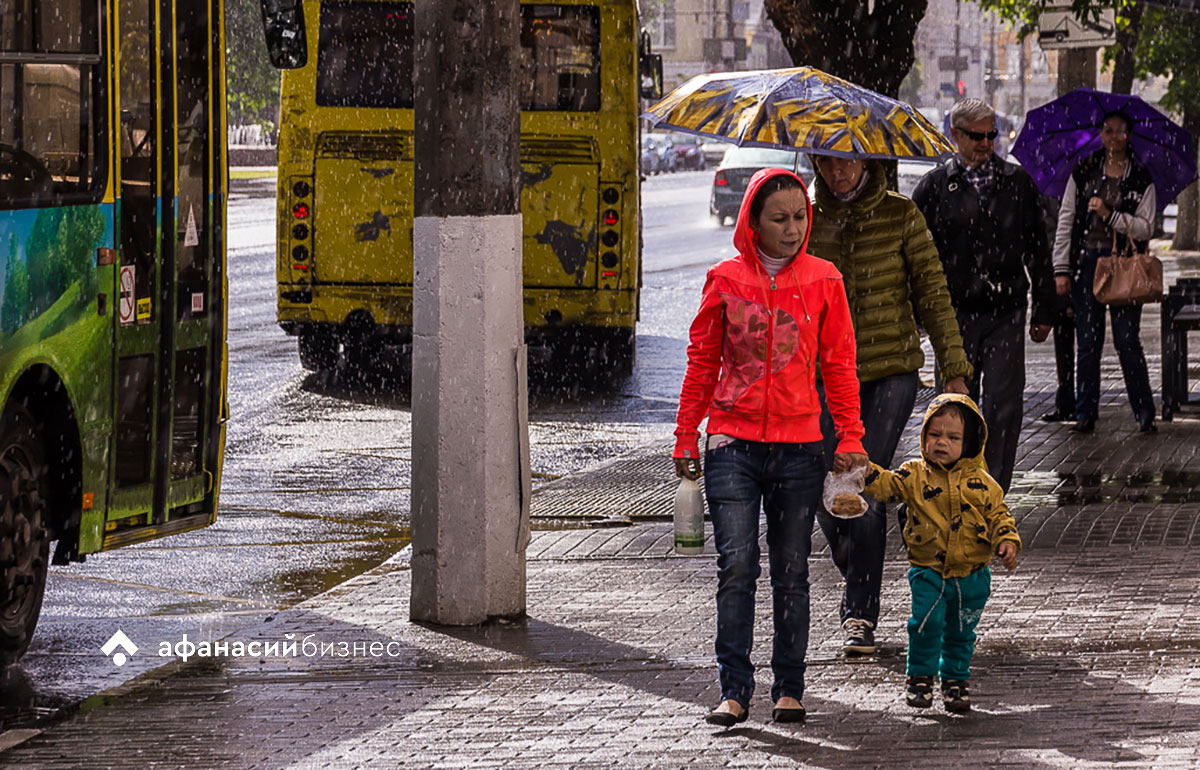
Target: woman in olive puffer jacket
(878, 240)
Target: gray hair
(969, 111)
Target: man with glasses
(988, 225)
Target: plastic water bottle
(689, 519)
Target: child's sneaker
(956, 696)
(920, 692)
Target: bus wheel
(318, 351)
(24, 539)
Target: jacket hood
(745, 240)
(873, 192)
(974, 433)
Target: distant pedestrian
(1064, 362)
(988, 224)
(1063, 335)
(878, 241)
(768, 317)
(957, 520)
(1109, 192)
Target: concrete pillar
(470, 439)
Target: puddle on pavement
(1170, 485)
(305, 581)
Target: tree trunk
(1187, 221)
(873, 49)
(1076, 69)
(1127, 37)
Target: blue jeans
(785, 481)
(1089, 327)
(857, 545)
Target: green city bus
(112, 283)
(345, 180)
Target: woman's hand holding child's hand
(1008, 555)
(845, 461)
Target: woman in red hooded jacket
(767, 318)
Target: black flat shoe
(1057, 416)
(1147, 426)
(725, 718)
(788, 715)
(1083, 426)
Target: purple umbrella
(1063, 132)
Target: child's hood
(974, 433)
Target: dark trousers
(1064, 356)
(783, 481)
(995, 345)
(857, 545)
(1127, 329)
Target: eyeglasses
(979, 136)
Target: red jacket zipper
(770, 352)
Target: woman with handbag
(1109, 203)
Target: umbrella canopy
(1063, 132)
(800, 108)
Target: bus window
(560, 58)
(48, 70)
(365, 55)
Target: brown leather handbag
(1127, 279)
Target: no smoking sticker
(126, 305)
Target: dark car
(738, 165)
(688, 154)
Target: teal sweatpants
(941, 631)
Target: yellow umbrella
(800, 108)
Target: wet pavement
(1089, 653)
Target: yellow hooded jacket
(956, 515)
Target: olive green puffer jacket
(886, 256)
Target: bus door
(168, 309)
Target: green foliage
(1168, 46)
(252, 84)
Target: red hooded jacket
(755, 344)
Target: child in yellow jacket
(957, 521)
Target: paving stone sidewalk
(1088, 655)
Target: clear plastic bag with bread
(843, 493)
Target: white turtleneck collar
(773, 264)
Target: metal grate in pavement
(639, 485)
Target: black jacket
(1088, 176)
(986, 251)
